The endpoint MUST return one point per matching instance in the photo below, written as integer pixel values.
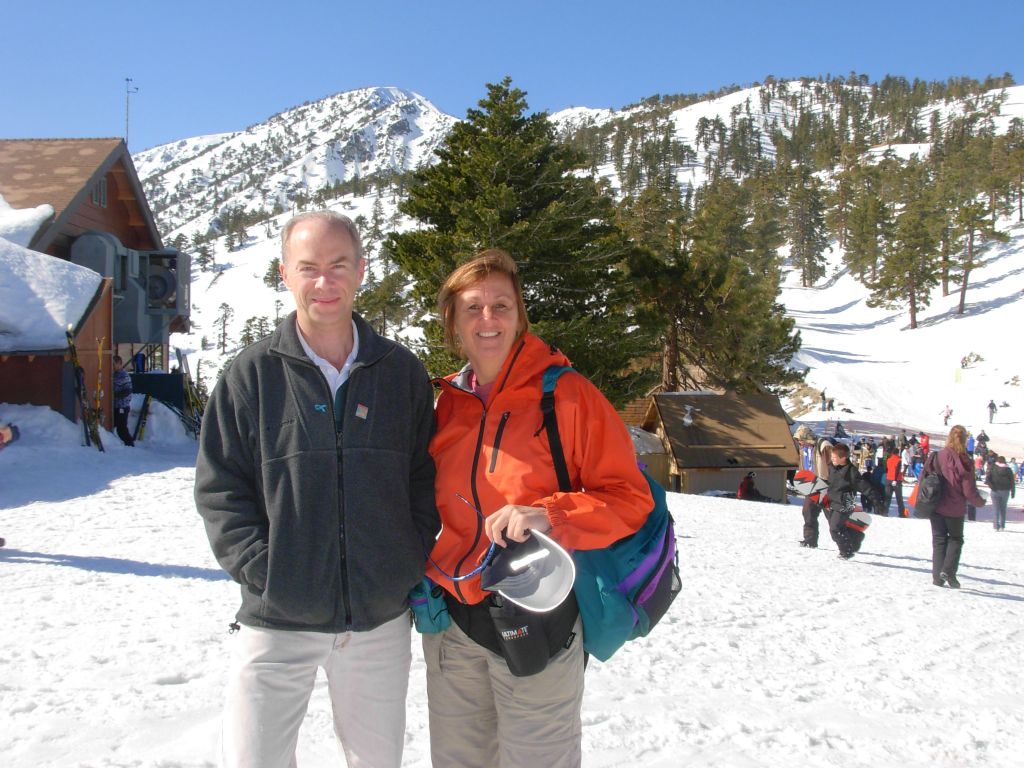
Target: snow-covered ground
(114, 647)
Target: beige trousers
(272, 677)
(481, 716)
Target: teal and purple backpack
(624, 589)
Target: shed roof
(727, 431)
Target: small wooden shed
(714, 440)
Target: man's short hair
(118, 359)
(333, 218)
(841, 449)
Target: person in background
(894, 483)
(748, 489)
(122, 401)
(8, 434)
(926, 446)
(843, 485)
(316, 485)
(946, 413)
(867, 502)
(981, 443)
(907, 458)
(1002, 484)
(947, 521)
(813, 505)
(495, 483)
(991, 410)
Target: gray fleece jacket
(325, 531)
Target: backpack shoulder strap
(547, 409)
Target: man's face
(838, 459)
(323, 273)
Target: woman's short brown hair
(491, 260)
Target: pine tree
(869, 224)
(910, 269)
(708, 286)
(384, 303)
(222, 320)
(1013, 142)
(972, 220)
(204, 257)
(272, 277)
(805, 227)
(502, 180)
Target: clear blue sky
(220, 65)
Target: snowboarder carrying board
(847, 522)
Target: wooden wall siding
(99, 326)
(33, 380)
(47, 379)
(121, 217)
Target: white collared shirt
(335, 378)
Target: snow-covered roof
(40, 296)
(20, 225)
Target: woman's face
(487, 323)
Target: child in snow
(843, 484)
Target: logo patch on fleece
(320, 407)
(362, 411)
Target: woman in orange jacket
(495, 483)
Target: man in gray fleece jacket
(317, 490)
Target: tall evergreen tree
(805, 226)
(869, 224)
(705, 285)
(223, 318)
(910, 269)
(503, 180)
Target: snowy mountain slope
(298, 152)
(877, 369)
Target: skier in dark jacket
(843, 484)
(122, 401)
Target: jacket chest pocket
(498, 436)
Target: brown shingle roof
(62, 173)
(54, 171)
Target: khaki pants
(272, 676)
(481, 716)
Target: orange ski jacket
(497, 453)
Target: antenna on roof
(129, 89)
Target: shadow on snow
(112, 565)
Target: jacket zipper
(497, 440)
(476, 503)
(342, 546)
